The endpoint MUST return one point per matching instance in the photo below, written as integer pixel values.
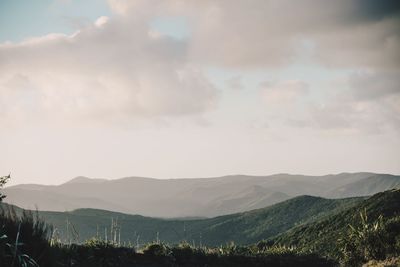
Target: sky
(183, 89)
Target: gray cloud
(269, 33)
(371, 103)
(374, 85)
(376, 10)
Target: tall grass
(370, 240)
(25, 238)
(27, 242)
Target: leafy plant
(368, 241)
(157, 249)
(24, 238)
(3, 181)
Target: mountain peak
(85, 180)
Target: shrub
(370, 240)
(24, 239)
(3, 181)
(157, 250)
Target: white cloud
(113, 67)
(283, 93)
(235, 83)
(101, 21)
(119, 66)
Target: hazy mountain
(254, 197)
(368, 186)
(204, 197)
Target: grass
(27, 241)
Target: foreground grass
(182, 255)
(27, 241)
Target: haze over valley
(197, 197)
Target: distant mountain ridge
(194, 197)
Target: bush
(24, 239)
(370, 241)
(157, 250)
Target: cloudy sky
(177, 88)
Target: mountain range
(313, 223)
(193, 197)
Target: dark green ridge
(242, 228)
(322, 235)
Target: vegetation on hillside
(367, 231)
(348, 233)
(27, 241)
(3, 181)
(376, 240)
(35, 246)
(241, 228)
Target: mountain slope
(242, 228)
(322, 235)
(307, 222)
(367, 187)
(254, 197)
(253, 226)
(197, 197)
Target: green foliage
(242, 228)
(23, 240)
(15, 254)
(97, 243)
(157, 249)
(27, 231)
(320, 236)
(99, 253)
(368, 241)
(362, 238)
(3, 181)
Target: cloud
(370, 103)
(345, 33)
(371, 45)
(235, 83)
(283, 93)
(120, 66)
(373, 85)
(284, 102)
(113, 67)
(365, 102)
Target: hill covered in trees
(319, 235)
(241, 228)
(303, 231)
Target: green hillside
(253, 226)
(242, 228)
(310, 224)
(322, 235)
